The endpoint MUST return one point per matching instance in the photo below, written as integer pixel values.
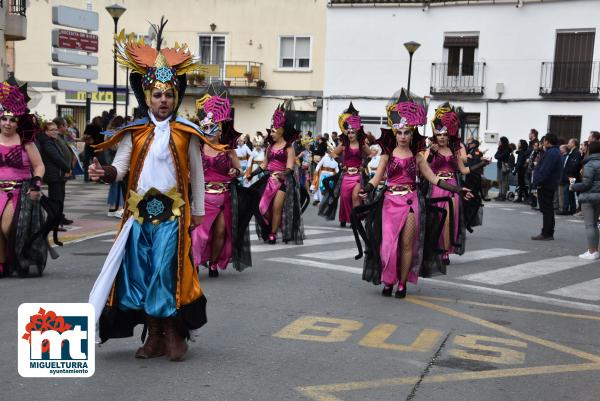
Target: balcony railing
(17, 7)
(460, 79)
(570, 78)
(230, 73)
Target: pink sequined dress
(277, 162)
(351, 178)
(14, 168)
(401, 199)
(446, 167)
(217, 199)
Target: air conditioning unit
(491, 137)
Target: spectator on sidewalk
(594, 137)
(503, 167)
(546, 177)
(534, 159)
(589, 198)
(570, 174)
(57, 168)
(559, 194)
(116, 190)
(520, 171)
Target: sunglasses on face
(11, 119)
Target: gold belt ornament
(401, 189)
(352, 170)
(154, 206)
(445, 175)
(8, 186)
(216, 187)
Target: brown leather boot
(176, 344)
(155, 340)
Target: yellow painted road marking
(340, 332)
(506, 356)
(513, 308)
(326, 392)
(506, 330)
(377, 337)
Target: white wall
(365, 57)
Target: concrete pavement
(301, 325)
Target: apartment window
(212, 49)
(294, 52)
(573, 62)
(461, 53)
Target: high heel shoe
(445, 259)
(212, 269)
(272, 238)
(401, 291)
(387, 291)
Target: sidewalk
(85, 204)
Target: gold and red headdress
(155, 67)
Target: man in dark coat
(57, 167)
(546, 176)
(570, 171)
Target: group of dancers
(189, 204)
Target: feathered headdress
(214, 112)
(13, 98)
(283, 117)
(447, 119)
(404, 112)
(155, 67)
(350, 119)
(13, 103)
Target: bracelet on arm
(110, 174)
(238, 172)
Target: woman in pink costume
(279, 206)
(215, 239)
(353, 149)
(21, 169)
(445, 157)
(399, 230)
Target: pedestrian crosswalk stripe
(333, 255)
(313, 263)
(588, 290)
(308, 242)
(576, 221)
(316, 232)
(526, 270)
(483, 254)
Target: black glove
(256, 172)
(448, 187)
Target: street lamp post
(412, 47)
(115, 11)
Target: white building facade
(511, 65)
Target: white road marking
(529, 213)
(320, 265)
(483, 254)
(308, 242)
(332, 255)
(576, 221)
(450, 284)
(330, 228)
(316, 232)
(588, 290)
(526, 270)
(507, 208)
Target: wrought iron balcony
(459, 79)
(570, 78)
(17, 7)
(245, 74)
(16, 20)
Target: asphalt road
(301, 325)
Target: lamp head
(412, 46)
